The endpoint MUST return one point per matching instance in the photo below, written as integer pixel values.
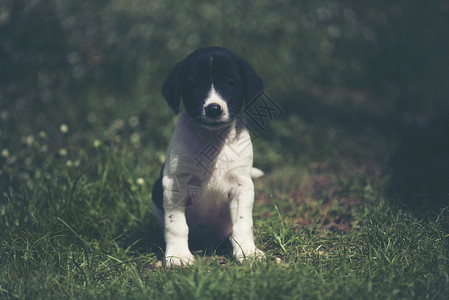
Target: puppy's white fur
(215, 98)
(211, 195)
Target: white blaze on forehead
(215, 98)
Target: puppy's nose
(213, 110)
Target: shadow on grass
(150, 239)
(420, 167)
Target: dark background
(364, 67)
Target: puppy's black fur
(190, 79)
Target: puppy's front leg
(241, 207)
(177, 251)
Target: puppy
(205, 192)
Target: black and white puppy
(205, 192)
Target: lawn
(355, 198)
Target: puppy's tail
(256, 173)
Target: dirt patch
(326, 196)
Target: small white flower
(27, 140)
(135, 138)
(43, 135)
(69, 163)
(118, 125)
(63, 152)
(140, 181)
(63, 128)
(97, 143)
(5, 153)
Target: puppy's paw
(185, 259)
(255, 253)
(259, 254)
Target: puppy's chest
(207, 161)
(215, 162)
(213, 172)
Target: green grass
(354, 203)
(80, 226)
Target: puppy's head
(214, 84)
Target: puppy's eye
(231, 82)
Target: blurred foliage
(357, 66)
(54, 53)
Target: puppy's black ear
(253, 83)
(171, 89)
